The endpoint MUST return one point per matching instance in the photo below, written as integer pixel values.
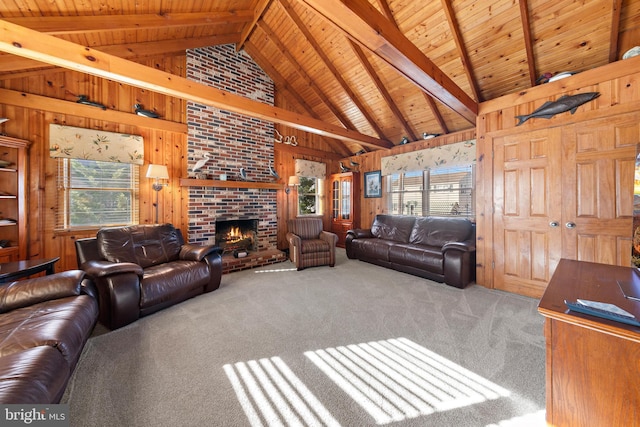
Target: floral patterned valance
(311, 169)
(429, 158)
(90, 144)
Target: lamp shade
(157, 172)
(294, 180)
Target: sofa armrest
(360, 233)
(39, 289)
(459, 246)
(190, 252)
(329, 237)
(97, 269)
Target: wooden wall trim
(59, 106)
(596, 76)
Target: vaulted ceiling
(379, 69)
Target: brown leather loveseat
(141, 269)
(44, 324)
(436, 248)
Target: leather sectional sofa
(141, 269)
(436, 248)
(44, 325)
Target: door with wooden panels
(598, 171)
(528, 208)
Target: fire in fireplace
(237, 234)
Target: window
(439, 192)
(95, 194)
(309, 200)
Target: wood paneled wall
(34, 100)
(619, 91)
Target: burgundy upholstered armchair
(141, 269)
(309, 245)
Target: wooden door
(527, 219)
(598, 172)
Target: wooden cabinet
(345, 209)
(592, 365)
(13, 199)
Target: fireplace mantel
(190, 182)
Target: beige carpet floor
(353, 345)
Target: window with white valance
(311, 177)
(461, 153)
(437, 181)
(98, 177)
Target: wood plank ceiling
(382, 69)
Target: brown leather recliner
(141, 269)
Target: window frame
(427, 199)
(319, 185)
(64, 210)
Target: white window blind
(96, 194)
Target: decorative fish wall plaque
(564, 103)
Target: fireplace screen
(239, 234)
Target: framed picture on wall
(373, 184)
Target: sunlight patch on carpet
(271, 394)
(398, 379)
(278, 270)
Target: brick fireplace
(232, 141)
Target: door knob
(570, 224)
(554, 224)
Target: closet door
(528, 198)
(598, 172)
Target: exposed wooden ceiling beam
(282, 84)
(364, 24)
(436, 113)
(462, 51)
(10, 63)
(615, 31)
(93, 23)
(383, 90)
(273, 38)
(261, 7)
(329, 64)
(22, 41)
(384, 5)
(528, 41)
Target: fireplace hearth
(237, 235)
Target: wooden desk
(12, 271)
(593, 364)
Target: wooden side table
(11, 271)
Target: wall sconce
(294, 181)
(157, 172)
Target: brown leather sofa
(44, 325)
(141, 269)
(436, 248)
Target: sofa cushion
(167, 281)
(63, 324)
(392, 227)
(144, 245)
(34, 375)
(310, 246)
(426, 258)
(373, 248)
(436, 231)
